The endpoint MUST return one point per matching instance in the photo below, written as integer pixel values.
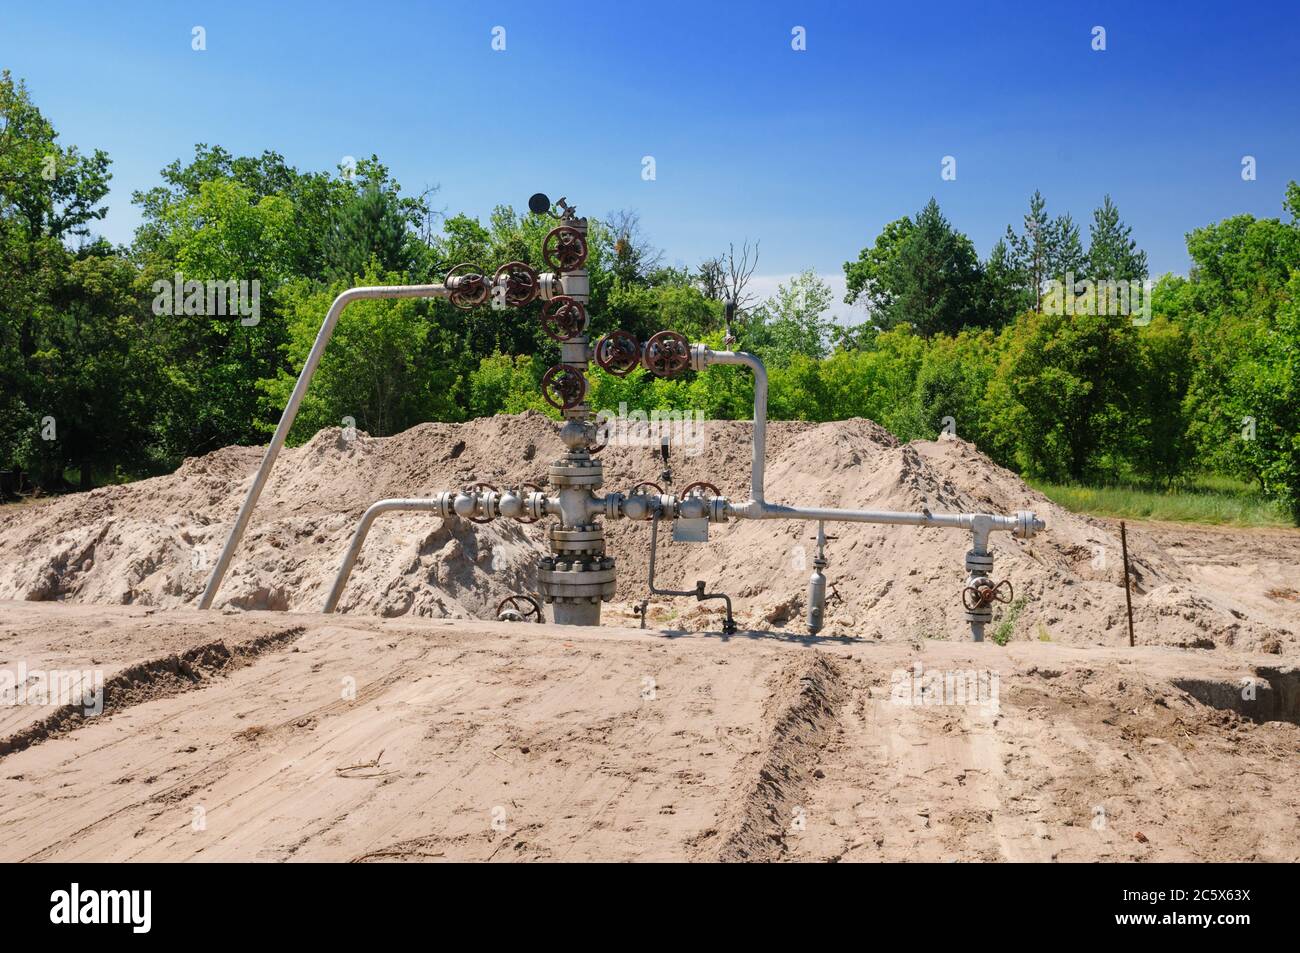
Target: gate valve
(468, 286)
(618, 353)
(518, 282)
(563, 318)
(479, 491)
(666, 354)
(523, 503)
(563, 387)
(564, 248)
(984, 592)
(639, 505)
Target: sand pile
(152, 542)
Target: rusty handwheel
(475, 488)
(563, 318)
(666, 354)
(536, 489)
(984, 594)
(618, 353)
(526, 607)
(563, 387)
(521, 283)
(657, 488)
(698, 487)
(564, 248)
(468, 285)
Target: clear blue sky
(811, 152)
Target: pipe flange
(979, 563)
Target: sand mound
(152, 542)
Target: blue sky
(811, 152)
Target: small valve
(563, 387)
(563, 318)
(984, 592)
(518, 282)
(666, 354)
(564, 248)
(618, 353)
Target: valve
(536, 489)
(563, 387)
(521, 284)
(666, 354)
(564, 248)
(618, 353)
(563, 318)
(473, 490)
(468, 286)
(984, 592)
(519, 609)
(698, 487)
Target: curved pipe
(758, 508)
(760, 412)
(291, 411)
(359, 538)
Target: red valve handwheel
(563, 318)
(666, 354)
(564, 248)
(521, 282)
(563, 387)
(473, 289)
(618, 353)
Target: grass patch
(1002, 634)
(1217, 500)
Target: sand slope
(150, 543)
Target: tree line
(1023, 352)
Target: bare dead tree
(737, 271)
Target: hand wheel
(471, 289)
(521, 283)
(475, 489)
(982, 595)
(700, 486)
(563, 387)
(563, 318)
(666, 354)
(657, 488)
(526, 607)
(564, 248)
(618, 353)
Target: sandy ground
(412, 725)
(238, 736)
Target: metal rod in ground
(1128, 596)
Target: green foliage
(1210, 386)
(1064, 385)
(383, 368)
